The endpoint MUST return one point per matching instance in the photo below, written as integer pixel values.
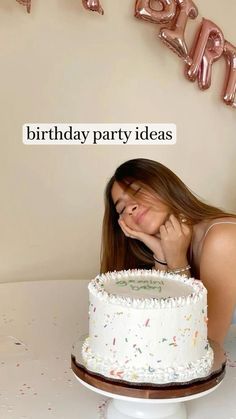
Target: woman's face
(146, 217)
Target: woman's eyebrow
(117, 201)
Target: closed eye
(134, 193)
(121, 212)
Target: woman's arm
(218, 273)
(170, 246)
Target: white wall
(62, 63)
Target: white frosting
(148, 326)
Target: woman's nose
(132, 209)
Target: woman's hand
(152, 242)
(175, 240)
(171, 245)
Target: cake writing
(137, 285)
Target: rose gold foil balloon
(208, 47)
(230, 79)
(93, 5)
(174, 37)
(26, 3)
(145, 11)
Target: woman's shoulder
(219, 226)
(217, 261)
(220, 234)
(212, 239)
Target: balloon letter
(230, 80)
(174, 37)
(26, 3)
(143, 10)
(208, 47)
(93, 5)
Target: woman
(152, 220)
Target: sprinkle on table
(195, 337)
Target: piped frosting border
(176, 374)
(96, 287)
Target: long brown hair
(120, 252)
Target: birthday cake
(147, 326)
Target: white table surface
(39, 322)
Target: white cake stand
(123, 407)
(149, 401)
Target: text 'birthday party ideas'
(99, 134)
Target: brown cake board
(154, 391)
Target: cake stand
(148, 401)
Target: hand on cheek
(152, 242)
